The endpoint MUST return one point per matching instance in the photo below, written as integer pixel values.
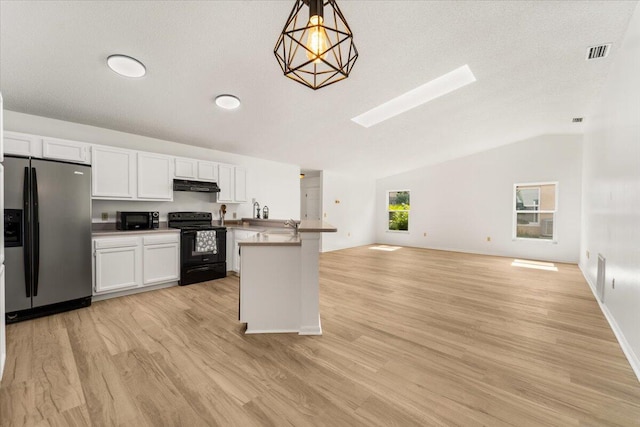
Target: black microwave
(137, 220)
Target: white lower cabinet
(118, 263)
(161, 258)
(3, 339)
(230, 246)
(124, 263)
(239, 235)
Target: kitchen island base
(279, 282)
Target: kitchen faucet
(293, 224)
(257, 216)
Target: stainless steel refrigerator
(47, 219)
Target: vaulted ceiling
(528, 59)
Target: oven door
(190, 256)
(202, 273)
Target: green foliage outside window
(399, 207)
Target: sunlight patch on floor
(538, 265)
(385, 248)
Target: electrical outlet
(348, 234)
(588, 254)
(325, 214)
(613, 283)
(105, 216)
(488, 238)
(337, 202)
(235, 215)
(425, 234)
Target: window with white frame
(398, 207)
(534, 211)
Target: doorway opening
(310, 194)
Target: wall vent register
(601, 51)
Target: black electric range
(203, 247)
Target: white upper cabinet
(208, 171)
(113, 173)
(60, 149)
(22, 144)
(186, 168)
(130, 175)
(225, 182)
(240, 175)
(196, 169)
(232, 181)
(155, 177)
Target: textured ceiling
(528, 58)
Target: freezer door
(17, 290)
(62, 232)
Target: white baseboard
(310, 330)
(3, 359)
(633, 359)
(270, 331)
(100, 297)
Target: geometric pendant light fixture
(316, 46)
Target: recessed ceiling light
(422, 94)
(126, 66)
(228, 102)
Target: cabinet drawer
(116, 242)
(161, 239)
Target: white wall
(611, 192)
(274, 184)
(348, 203)
(182, 201)
(461, 202)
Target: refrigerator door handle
(36, 232)
(26, 247)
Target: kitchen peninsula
(279, 280)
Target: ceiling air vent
(577, 119)
(601, 51)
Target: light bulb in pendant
(317, 40)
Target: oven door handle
(204, 268)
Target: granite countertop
(109, 229)
(279, 236)
(316, 226)
(308, 226)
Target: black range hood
(197, 186)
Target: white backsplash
(182, 201)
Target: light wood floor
(411, 337)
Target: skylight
(422, 94)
